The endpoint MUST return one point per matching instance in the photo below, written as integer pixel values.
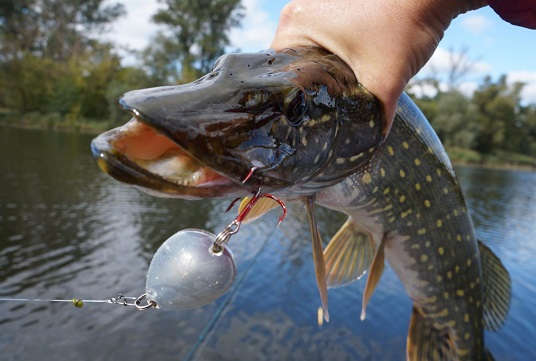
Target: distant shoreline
(497, 160)
(54, 122)
(498, 166)
(458, 156)
(80, 129)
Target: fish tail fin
(496, 287)
(425, 342)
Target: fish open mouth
(138, 154)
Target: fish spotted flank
(410, 201)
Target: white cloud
(468, 87)
(528, 93)
(135, 29)
(442, 60)
(476, 24)
(257, 29)
(423, 90)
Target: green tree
(54, 29)
(528, 144)
(49, 63)
(18, 27)
(498, 115)
(453, 121)
(196, 35)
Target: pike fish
(299, 124)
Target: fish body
(298, 124)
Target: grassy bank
(497, 159)
(54, 121)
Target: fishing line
(52, 300)
(79, 302)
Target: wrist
(442, 11)
(447, 9)
(472, 5)
(418, 26)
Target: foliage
(450, 113)
(195, 37)
(54, 29)
(86, 86)
(54, 75)
(493, 122)
(50, 66)
(53, 71)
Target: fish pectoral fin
(348, 255)
(259, 209)
(318, 257)
(375, 273)
(427, 343)
(496, 288)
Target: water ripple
(67, 230)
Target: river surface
(68, 230)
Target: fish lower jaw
(137, 154)
(159, 155)
(200, 179)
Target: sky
(494, 46)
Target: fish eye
(296, 108)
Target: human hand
(385, 42)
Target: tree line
(52, 66)
(53, 69)
(492, 124)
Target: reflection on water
(67, 230)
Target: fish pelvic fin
(318, 257)
(259, 209)
(496, 289)
(348, 255)
(427, 343)
(375, 273)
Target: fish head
(298, 118)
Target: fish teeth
(173, 168)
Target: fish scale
(424, 206)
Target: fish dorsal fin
(318, 257)
(496, 288)
(348, 255)
(425, 342)
(375, 273)
(260, 208)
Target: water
(67, 230)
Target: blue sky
(495, 46)
(504, 46)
